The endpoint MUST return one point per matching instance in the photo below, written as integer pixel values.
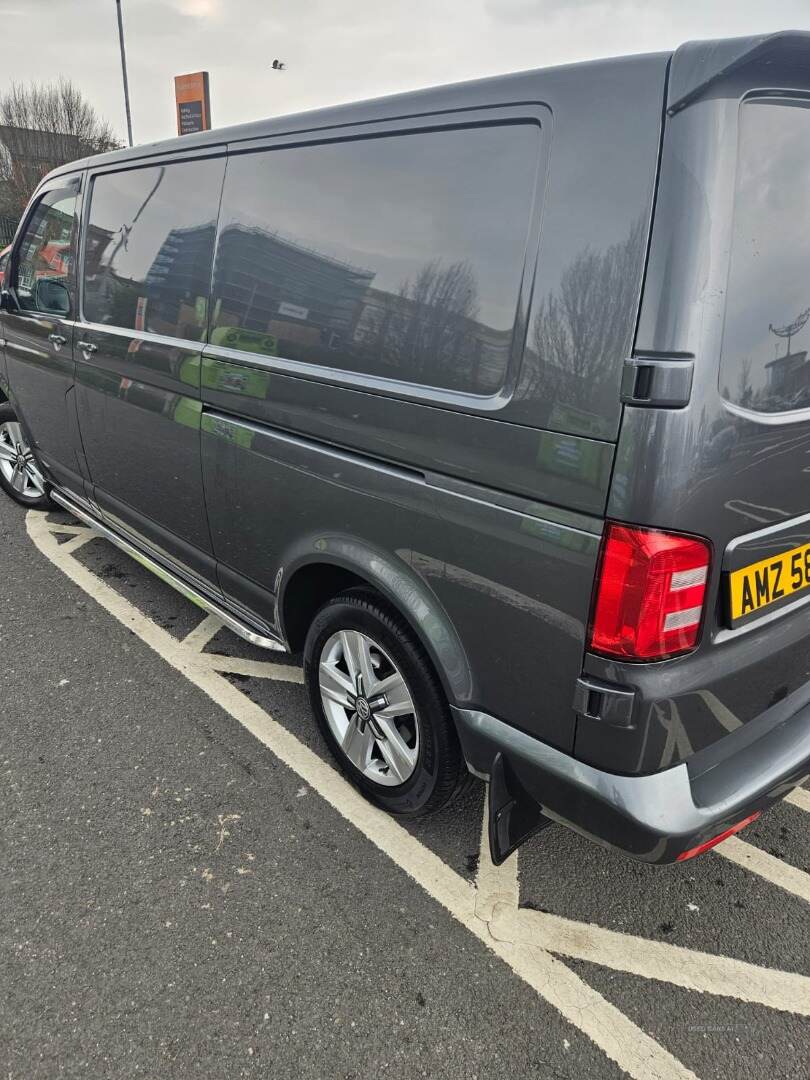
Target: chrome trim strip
(190, 593)
(770, 530)
(83, 326)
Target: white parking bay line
(203, 633)
(704, 972)
(78, 539)
(799, 797)
(759, 862)
(494, 885)
(615, 1034)
(255, 669)
(497, 903)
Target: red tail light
(650, 593)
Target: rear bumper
(657, 817)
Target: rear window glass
(399, 256)
(765, 364)
(149, 246)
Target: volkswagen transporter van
(492, 400)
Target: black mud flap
(514, 815)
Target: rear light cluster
(650, 593)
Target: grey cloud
(337, 51)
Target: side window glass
(406, 265)
(765, 361)
(149, 246)
(44, 277)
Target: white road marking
(615, 1034)
(799, 797)
(78, 541)
(497, 902)
(203, 633)
(208, 629)
(522, 938)
(688, 968)
(69, 530)
(494, 885)
(759, 862)
(256, 669)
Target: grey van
(492, 400)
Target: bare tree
(442, 301)
(580, 329)
(744, 393)
(43, 126)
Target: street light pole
(124, 69)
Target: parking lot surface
(189, 888)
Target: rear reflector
(650, 593)
(692, 852)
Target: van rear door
(726, 314)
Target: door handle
(88, 347)
(58, 340)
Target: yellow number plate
(766, 582)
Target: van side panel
(488, 510)
(511, 585)
(545, 466)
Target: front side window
(44, 277)
(765, 364)
(398, 256)
(148, 248)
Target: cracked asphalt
(176, 902)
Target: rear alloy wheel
(380, 706)
(20, 476)
(369, 708)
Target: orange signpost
(193, 102)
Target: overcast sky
(337, 50)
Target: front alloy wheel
(20, 476)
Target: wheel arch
(332, 564)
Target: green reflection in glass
(253, 341)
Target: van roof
(695, 66)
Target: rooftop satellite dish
(791, 329)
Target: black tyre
(380, 705)
(20, 476)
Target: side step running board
(261, 640)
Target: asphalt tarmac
(188, 889)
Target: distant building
(789, 375)
(277, 286)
